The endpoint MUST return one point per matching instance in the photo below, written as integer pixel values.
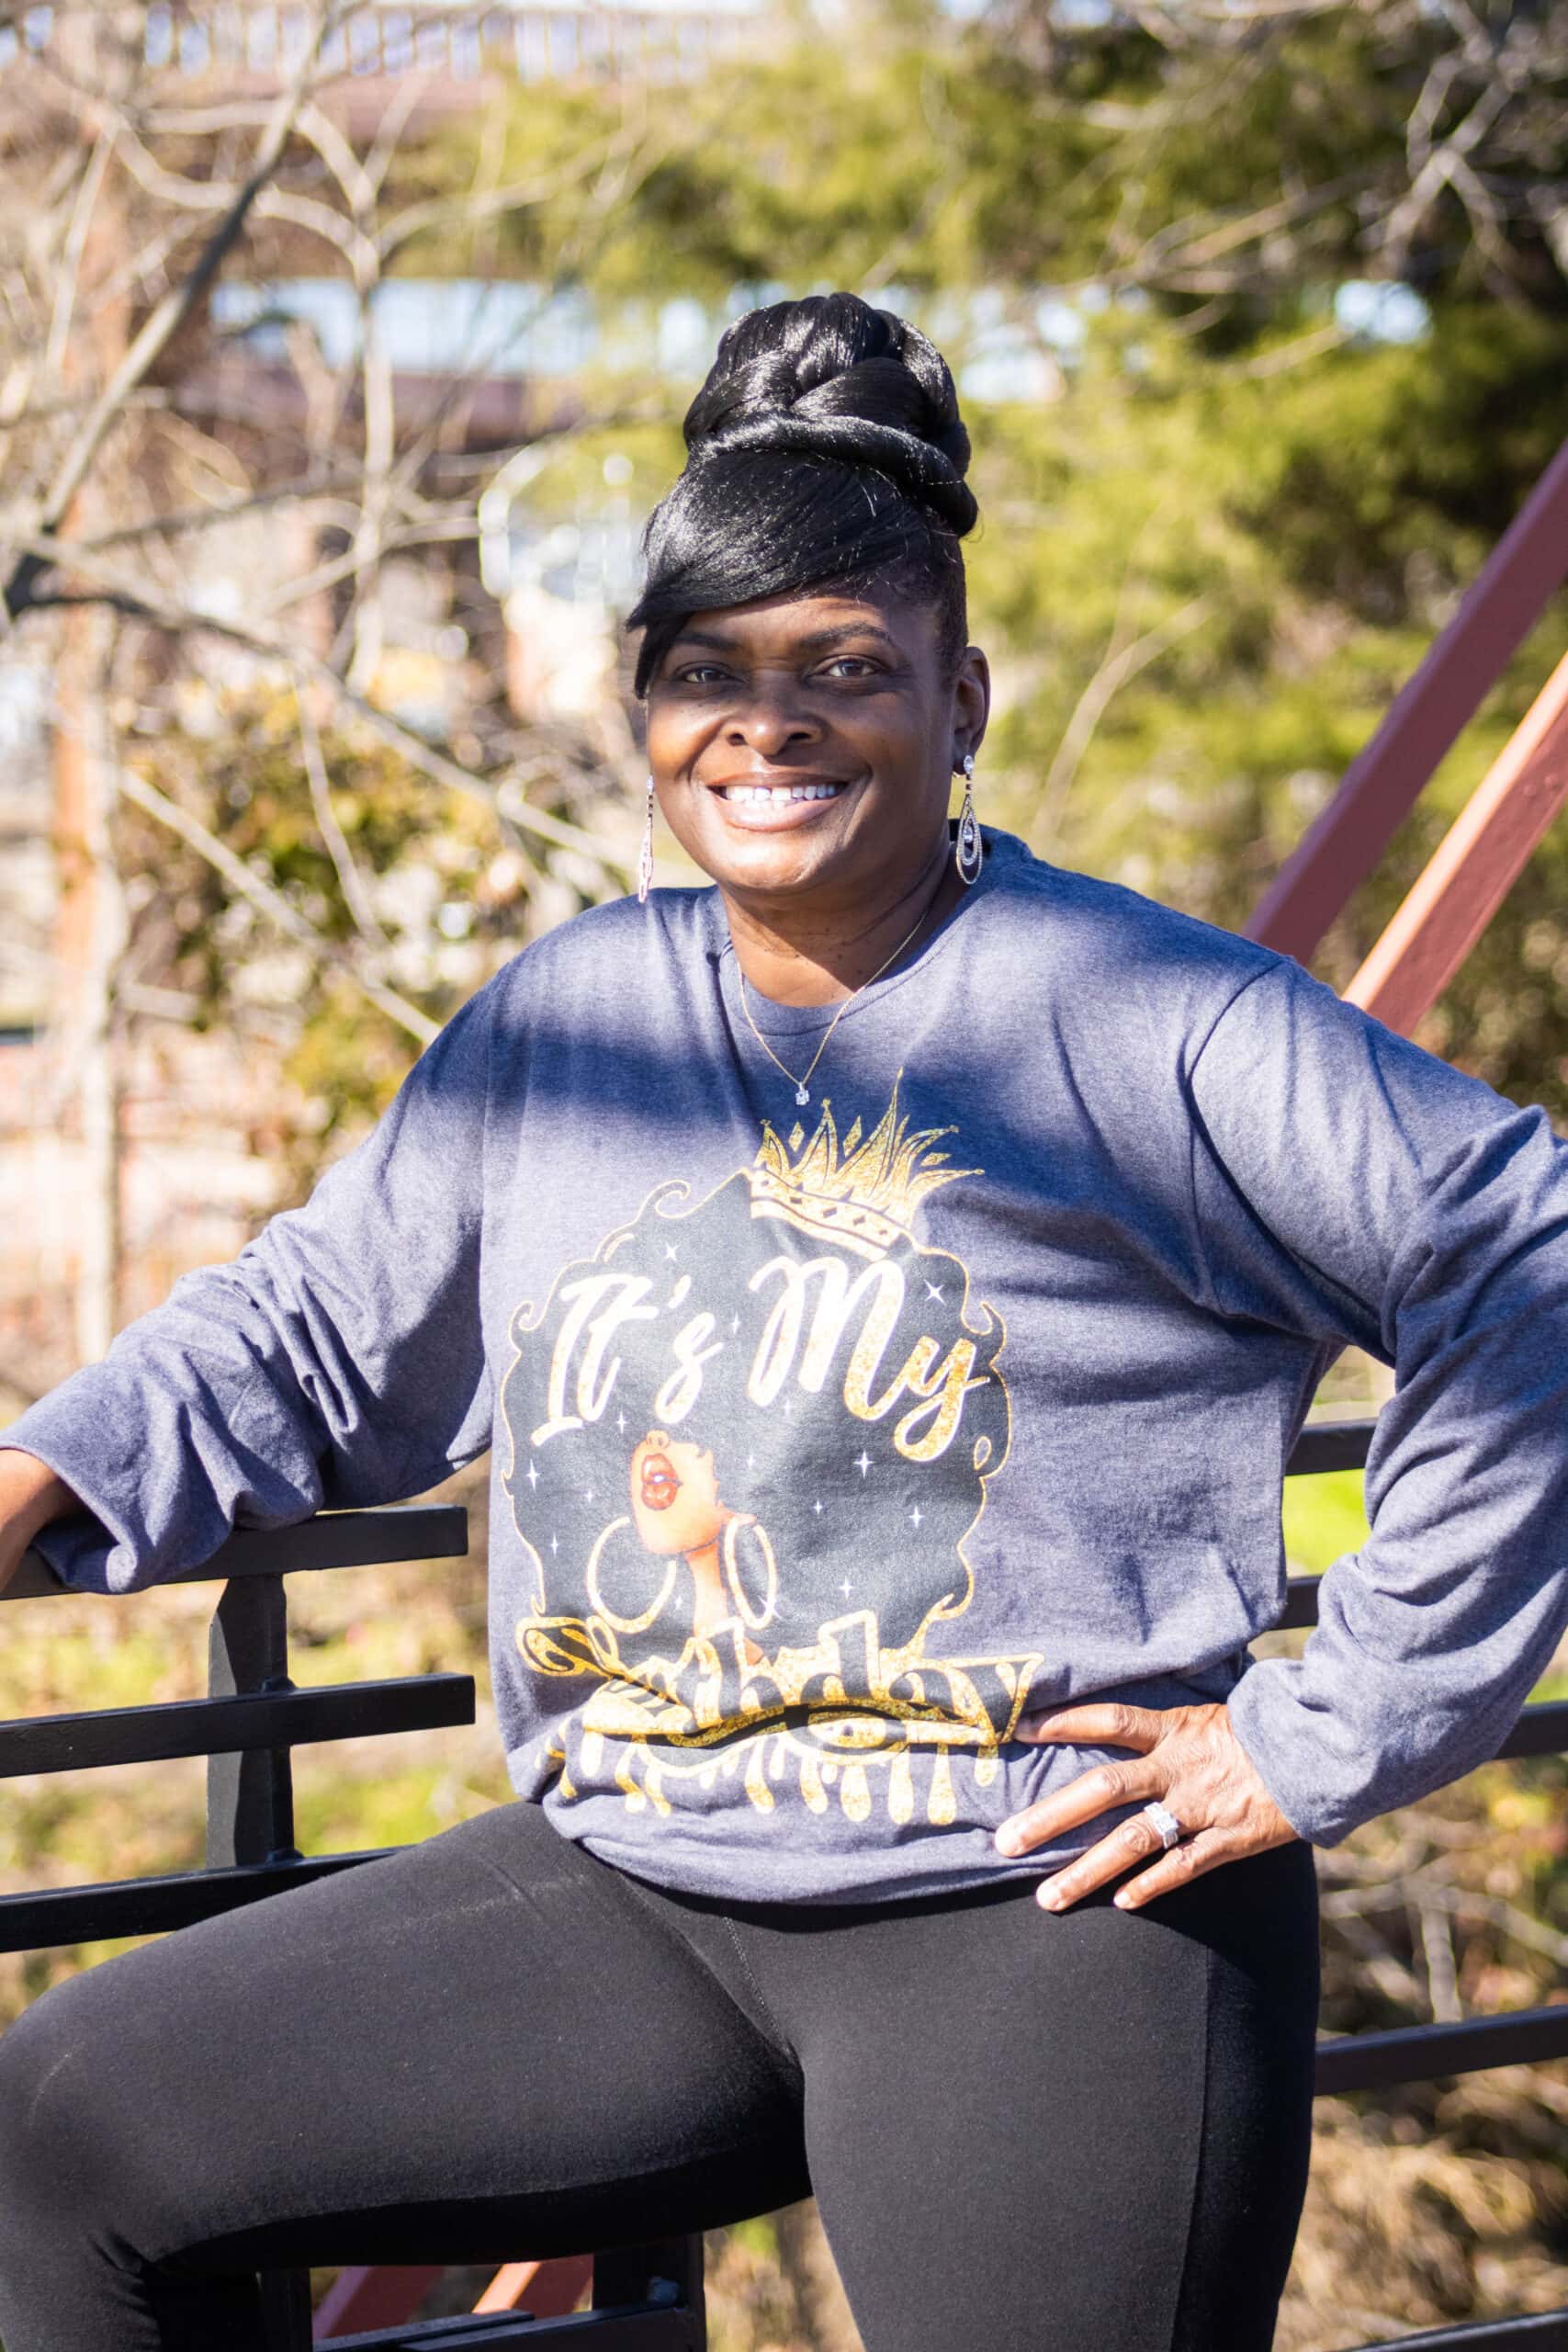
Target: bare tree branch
(356, 897)
(179, 622)
(274, 905)
(1121, 664)
(167, 316)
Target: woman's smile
(776, 805)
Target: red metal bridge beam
(1386, 779)
(363, 2297)
(385, 2295)
(549, 2290)
(1474, 867)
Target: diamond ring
(1165, 1824)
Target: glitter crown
(862, 1193)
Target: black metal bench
(645, 2297)
(648, 2298)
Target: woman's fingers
(1188, 1860)
(1191, 1759)
(1104, 1725)
(1133, 1841)
(1080, 1801)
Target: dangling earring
(645, 859)
(759, 1613)
(968, 855)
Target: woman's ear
(971, 700)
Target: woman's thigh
(480, 2047)
(1033, 2133)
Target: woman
(992, 1227)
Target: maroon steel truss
(1475, 865)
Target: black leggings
(1026, 2133)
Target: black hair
(824, 450)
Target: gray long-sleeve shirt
(827, 1437)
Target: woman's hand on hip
(1188, 1759)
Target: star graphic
(533, 1473)
(734, 1324)
(621, 1423)
(817, 1507)
(916, 1516)
(555, 1546)
(862, 1462)
(933, 1290)
(846, 1587)
(670, 1251)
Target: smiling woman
(892, 1279)
(806, 568)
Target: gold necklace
(803, 1085)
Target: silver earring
(645, 858)
(968, 854)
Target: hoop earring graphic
(618, 1624)
(755, 1619)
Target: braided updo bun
(825, 448)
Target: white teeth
(765, 794)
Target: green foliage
(1206, 565)
(1322, 1517)
(447, 892)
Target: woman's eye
(855, 666)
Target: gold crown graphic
(862, 1193)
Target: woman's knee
(47, 2080)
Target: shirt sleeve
(1352, 1186)
(338, 1360)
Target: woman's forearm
(30, 1496)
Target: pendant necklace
(803, 1085)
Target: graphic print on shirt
(749, 1440)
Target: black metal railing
(1418, 2053)
(648, 2298)
(645, 2297)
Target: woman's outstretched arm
(31, 1496)
(338, 1360)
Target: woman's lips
(660, 1483)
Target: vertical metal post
(666, 2271)
(250, 1818)
(286, 2309)
(250, 1798)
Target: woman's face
(674, 1494)
(803, 747)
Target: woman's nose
(764, 723)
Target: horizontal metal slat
(612, 2331)
(1538, 2332)
(1541, 1730)
(1420, 2054)
(1330, 1445)
(335, 1539)
(290, 1718)
(151, 1906)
